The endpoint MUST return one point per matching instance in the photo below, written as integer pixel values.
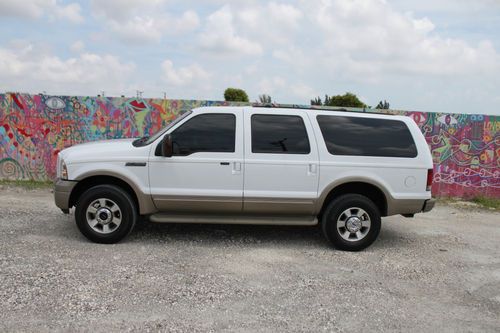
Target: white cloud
(70, 12)
(28, 68)
(77, 47)
(446, 59)
(284, 14)
(271, 85)
(121, 10)
(389, 42)
(142, 20)
(137, 29)
(34, 9)
(304, 92)
(220, 36)
(182, 76)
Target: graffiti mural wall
(466, 152)
(34, 128)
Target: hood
(104, 150)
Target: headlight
(64, 170)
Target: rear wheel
(105, 214)
(351, 222)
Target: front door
(205, 173)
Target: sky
(438, 56)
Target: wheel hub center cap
(104, 215)
(353, 224)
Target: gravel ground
(439, 271)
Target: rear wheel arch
(371, 191)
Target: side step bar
(233, 219)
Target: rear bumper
(62, 192)
(428, 205)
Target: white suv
(253, 165)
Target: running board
(233, 219)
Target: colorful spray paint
(34, 128)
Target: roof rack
(324, 108)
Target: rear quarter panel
(398, 178)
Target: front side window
(366, 136)
(205, 133)
(279, 134)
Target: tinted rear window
(366, 136)
(279, 134)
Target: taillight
(430, 176)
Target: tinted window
(366, 137)
(205, 133)
(279, 135)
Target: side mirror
(166, 146)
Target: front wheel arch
(89, 182)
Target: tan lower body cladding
(228, 205)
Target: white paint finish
(387, 172)
(391, 179)
(108, 156)
(410, 181)
(200, 174)
(260, 177)
(291, 176)
(137, 176)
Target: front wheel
(105, 214)
(351, 222)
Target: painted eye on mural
(55, 103)
(447, 119)
(478, 117)
(418, 117)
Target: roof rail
(324, 108)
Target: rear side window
(205, 133)
(366, 137)
(279, 134)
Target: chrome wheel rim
(353, 224)
(104, 216)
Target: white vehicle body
(243, 186)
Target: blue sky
(440, 56)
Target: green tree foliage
(316, 101)
(235, 95)
(347, 100)
(383, 105)
(265, 99)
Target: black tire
(114, 196)
(335, 212)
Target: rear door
(281, 163)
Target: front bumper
(62, 192)
(428, 205)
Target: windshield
(146, 140)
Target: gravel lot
(439, 271)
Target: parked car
(253, 165)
